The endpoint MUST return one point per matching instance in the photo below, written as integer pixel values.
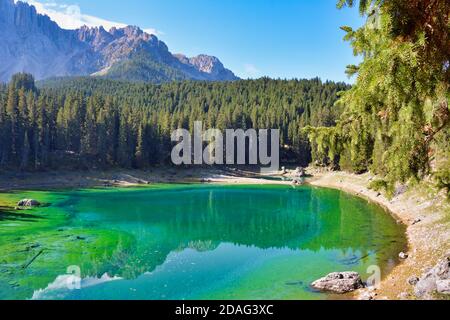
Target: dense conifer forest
(396, 117)
(394, 121)
(96, 123)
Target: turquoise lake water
(194, 242)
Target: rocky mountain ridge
(33, 43)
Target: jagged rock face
(33, 43)
(208, 65)
(7, 9)
(98, 38)
(119, 44)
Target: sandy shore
(426, 215)
(127, 178)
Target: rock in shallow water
(28, 203)
(339, 282)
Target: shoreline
(427, 220)
(11, 182)
(424, 214)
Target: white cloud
(251, 70)
(63, 283)
(71, 17)
(153, 31)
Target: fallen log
(32, 259)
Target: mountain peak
(33, 43)
(133, 30)
(209, 65)
(205, 63)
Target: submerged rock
(436, 280)
(294, 283)
(34, 246)
(339, 282)
(28, 203)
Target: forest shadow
(8, 214)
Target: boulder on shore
(28, 203)
(413, 280)
(403, 255)
(339, 282)
(436, 280)
(300, 172)
(443, 286)
(297, 182)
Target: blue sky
(254, 38)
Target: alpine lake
(190, 241)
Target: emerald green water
(190, 242)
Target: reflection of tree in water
(201, 246)
(306, 219)
(202, 218)
(361, 227)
